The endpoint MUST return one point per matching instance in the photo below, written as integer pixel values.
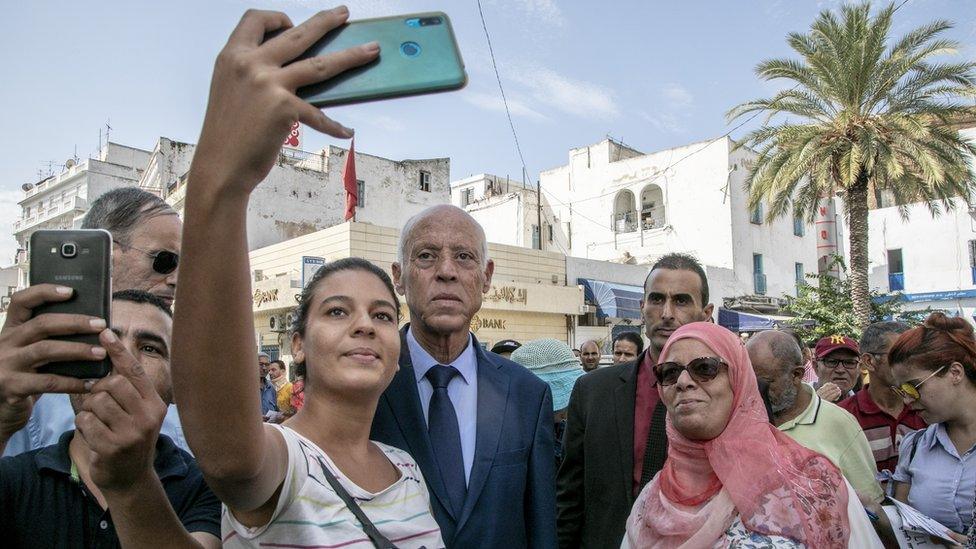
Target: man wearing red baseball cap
(838, 366)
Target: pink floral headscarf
(776, 486)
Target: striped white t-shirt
(311, 514)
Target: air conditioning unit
(277, 323)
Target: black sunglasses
(701, 370)
(164, 261)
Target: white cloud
(672, 109)
(385, 123)
(577, 97)
(677, 95)
(9, 212)
(666, 122)
(494, 103)
(546, 10)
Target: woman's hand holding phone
(25, 344)
(252, 103)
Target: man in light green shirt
(815, 423)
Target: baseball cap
(831, 343)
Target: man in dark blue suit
(479, 425)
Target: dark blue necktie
(445, 435)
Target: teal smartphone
(418, 55)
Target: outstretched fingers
(293, 42)
(254, 25)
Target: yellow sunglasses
(909, 391)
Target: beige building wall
(528, 298)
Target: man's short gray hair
(408, 227)
(120, 211)
(874, 339)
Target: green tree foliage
(865, 114)
(826, 301)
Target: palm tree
(861, 118)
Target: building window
(360, 193)
(800, 276)
(549, 228)
(759, 278)
(798, 226)
(624, 213)
(425, 181)
(652, 208)
(535, 237)
(972, 259)
(756, 216)
(896, 271)
(467, 197)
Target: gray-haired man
(146, 232)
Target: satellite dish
(69, 163)
(27, 187)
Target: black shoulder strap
(911, 456)
(379, 540)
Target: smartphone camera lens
(68, 249)
(428, 21)
(410, 49)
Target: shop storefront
(528, 299)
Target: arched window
(624, 212)
(652, 208)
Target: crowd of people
(415, 435)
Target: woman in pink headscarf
(732, 478)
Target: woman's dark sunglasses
(164, 261)
(701, 370)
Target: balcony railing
(625, 222)
(652, 218)
(759, 283)
(896, 282)
(71, 205)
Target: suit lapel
(409, 416)
(625, 393)
(493, 385)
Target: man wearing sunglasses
(878, 406)
(837, 359)
(146, 232)
(806, 417)
(615, 439)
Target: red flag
(349, 182)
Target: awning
(738, 321)
(612, 299)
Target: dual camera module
(412, 49)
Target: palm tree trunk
(857, 211)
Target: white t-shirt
(310, 513)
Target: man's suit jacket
(594, 488)
(511, 499)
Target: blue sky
(653, 74)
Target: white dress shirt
(463, 390)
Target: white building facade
(304, 192)
(60, 200)
(507, 210)
(614, 203)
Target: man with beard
(615, 439)
(809, 419)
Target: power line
(498, 77)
